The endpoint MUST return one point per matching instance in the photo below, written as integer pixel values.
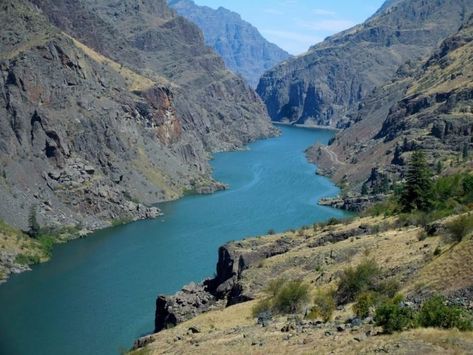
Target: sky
(295, 25)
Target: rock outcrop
(333, 77)
(108, 107)
(222, 290)
(240, 44)
(229, 286)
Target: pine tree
(417, 191)
(33, 223)
(466, 151)
(439, 167)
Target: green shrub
(364, 303)
(435, 313)
(393, 316)
(47, 243)
(324, 306)
(460, 227)
(354, 281)
(291, 297)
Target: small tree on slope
(417, 192)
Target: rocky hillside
(428, 106)
(219, 316)
(108, 107)
(322, 86)
(240, 44)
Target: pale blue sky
(295, 25)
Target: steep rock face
(427, 107)
(211, 101)
(240, 44)
(323, 85)
(86, 139)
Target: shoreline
(14, 268)
(287, 124)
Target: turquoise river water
(97, 295)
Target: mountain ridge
(323, 85)
(425, 107)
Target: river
(97, 295)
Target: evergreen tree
(33, 223)
(364, 189)
(439, 167)
(417, 191)
(466, 151)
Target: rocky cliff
(240, 44)
(110, 106)
(427, 106)
(333, 77)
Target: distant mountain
(322, 86)
(427, 106)
(239, 43)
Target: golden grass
(135, 81)
(450, 271)
(457, 75)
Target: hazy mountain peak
(240, 44)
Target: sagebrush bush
(324, 306)
(460, 227)
(435, 313)
(292, 296)
(354, 281)
(364, 303)
(284, 297)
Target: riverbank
(309, 126)
(219, 315)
